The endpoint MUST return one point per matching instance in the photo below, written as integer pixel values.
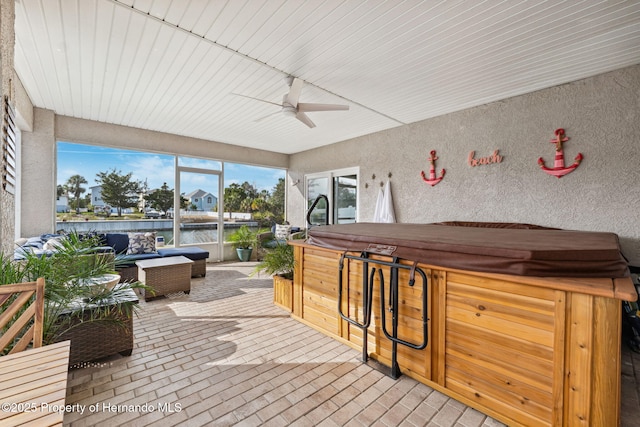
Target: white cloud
(153, 169)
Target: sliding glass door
(199, 196)
(317, 187)
(340, 187)
(345, 197)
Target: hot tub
(523, 322)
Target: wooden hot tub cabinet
(530, 351)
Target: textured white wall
(38, 176)
(90, 132)
(24, 108)
(7, 42)
(601, 116)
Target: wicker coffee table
(165, 275)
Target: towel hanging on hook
(384, 211)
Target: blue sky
(88, 160)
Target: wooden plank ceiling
(176, 66)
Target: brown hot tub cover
(518, 249)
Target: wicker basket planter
(92, 340)
(283, 292)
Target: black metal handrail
(367, 292)
(313, 206)
(367, 297)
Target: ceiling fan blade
(266, 117)
(305, 119)
(294, 92)
(321, 107)
(257, 99)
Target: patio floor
(225, 355)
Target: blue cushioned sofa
(118, 243)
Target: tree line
(120, 191)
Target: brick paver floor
(225, 355)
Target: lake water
(193, 233)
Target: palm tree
(74, 186)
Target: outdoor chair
(21, 316)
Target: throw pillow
(282, 232)
(142, 243)
(118, 241)
(53, 243)
(34, 242)
(21, 241)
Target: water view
(191, 233)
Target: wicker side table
(92, 340)
(165, 275)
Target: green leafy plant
(243, 238)
(278, 260)
(69, 300)
(10, 272)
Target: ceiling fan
(292, 108)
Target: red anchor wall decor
(559, 169)
(432, 180)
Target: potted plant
(243, 240)
(279, 261)
(80, 287)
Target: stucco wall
(90, 132)
(24, 108)
(38, 195)
(601, 116)
(7, 42)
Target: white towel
(384, 206)
(388, 214)
(377, 213)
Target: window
(79, 165)
(345, 195)
(254, 193)
(192, 214)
